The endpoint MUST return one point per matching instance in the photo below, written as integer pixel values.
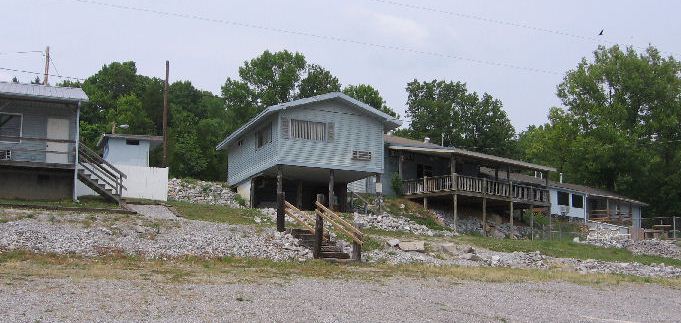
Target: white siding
(574, 212)
(247, 160)
(117, 151)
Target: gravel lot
(333, 301)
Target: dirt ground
(304, 299)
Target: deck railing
(37, 150)
(483, 186)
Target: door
(57, 152)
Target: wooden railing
(346, 228)
(25, 149)
(109, 175)
(478, 185)
(606, 216)
(299, 216)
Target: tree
(447, 111)
(622, 127)
(36, 81)
(318, 81)
(369, 95)
(15, 79)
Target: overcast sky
(84, 36)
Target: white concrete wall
(244, 190)
(142, 182)
(118, 152)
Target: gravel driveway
(333, 301)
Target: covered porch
(471, 178)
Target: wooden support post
(452, 170)
(484, 216)
(532, 221)
(356, 251)
(455, 198)
(331, 184)
(425, 203)
(299, 195)
(511, 214)
(607, 208)
(379, 193)
(496, 174)
(318, 232)
(252, 202)
(400, 166)
(281, 216)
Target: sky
(517, 51)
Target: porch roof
(400, 143)
(42, 92)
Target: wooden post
(356, 251)
(281, 225)
(331, 180)
(251, 194)
(532, 221)
(318, 232)
(452, 170)
(47, 65)
(484, 216)
(400, 165)
(455, 197)
(165, 116)
(511, 214)
(607, 208)
(425, 203)
(379, 192)
(299, 195)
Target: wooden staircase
(100, 175)
(315, 236)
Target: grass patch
(219, 213)
(84, 202)
(566, 249)
(21, 265)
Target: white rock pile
(387, 222)
(94, 235)
(201, 192)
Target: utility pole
(47, 65)
(165, 116)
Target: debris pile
(389, 222)
(201, 192)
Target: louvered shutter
(330, 132)
(285, 128)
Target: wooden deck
(35, 164)
(476, 187)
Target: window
(132, 142)
(264, 136)
(10, 127)
(240, 143)
(563, 198)
(308, 130)
(577, 201)
(361, 155)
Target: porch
(475, 187)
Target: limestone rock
(419, 246)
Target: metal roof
(42, 92)
(389, 122)
(154, 140)
(399, 143)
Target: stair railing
(356, 236)
(101, 169)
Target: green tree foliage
(465, 119)
(318, 81)
(622, 127)
(369, 95)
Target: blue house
(307, 147)
(40, 152)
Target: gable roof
(42, 92)
(400, 143)
(389, 122)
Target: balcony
(475, 186)
(37, 152)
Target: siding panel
(246, 160)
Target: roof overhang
(448, 151)
(389, 122)
(46, 93)
(154, 141)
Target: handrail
(83, 148)
(66, 141)
(339, 227)
(348, 224)
(103, 170)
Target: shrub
(240, 200)
(396, 184)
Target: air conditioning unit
(5, 154)
(564, 210)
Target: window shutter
(285, 125)
(330, 132)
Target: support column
(318, 232)
(510, 218)
(281, 224)
(425, 203)
(484, 216)
(400, 166)
(607, 208)
(330, 197)
(299, 195)
(455, 198)
(379, 192)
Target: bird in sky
(601, 33)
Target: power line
(22, 52)
(39, 73)
(505, 23)
(55, 67)
(319, 36)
